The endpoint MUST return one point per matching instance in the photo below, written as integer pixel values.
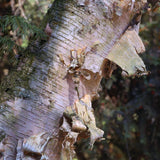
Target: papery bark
(96, 25)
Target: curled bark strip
(125, 54)
(82, 119)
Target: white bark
(96, 25)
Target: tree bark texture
(33, 125)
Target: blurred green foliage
(36, 9)
(17, 32)
(14, 27)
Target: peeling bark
(31, 121)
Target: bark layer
(93, 25)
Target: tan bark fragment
(125, 53)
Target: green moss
(17, 78)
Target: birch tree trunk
(44, 117)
